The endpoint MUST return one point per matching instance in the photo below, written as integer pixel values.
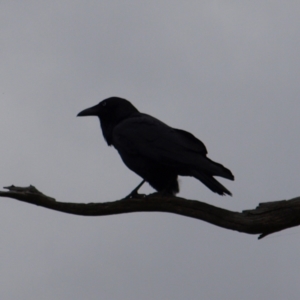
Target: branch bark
(266, 218)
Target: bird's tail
(212, 183)
(215, 169)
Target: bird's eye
(104, 104)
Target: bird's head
(112, 109)
(110, 112)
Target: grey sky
(227, 71)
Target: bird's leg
(134, 193)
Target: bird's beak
(91, 111)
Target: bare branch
(267, 218)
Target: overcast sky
(227, 71)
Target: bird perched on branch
(155, 151)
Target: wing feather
(153, 139)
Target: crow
(155, 151)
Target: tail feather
(219, 170)
(212, 183)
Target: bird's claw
(135, 195)
(161, 194)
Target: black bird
(155, 151)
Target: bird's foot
(161, 194)
(135, 196)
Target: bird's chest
(130, 153)
(133, 159)
(123, 145)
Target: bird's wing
(191, 140)
(144, 135)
